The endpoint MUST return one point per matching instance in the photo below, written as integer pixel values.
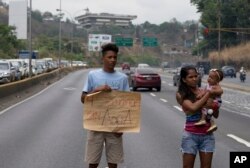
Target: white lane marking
(224, 101)
(163, 81)
(247, 108)
(70, 88)
(240, 140)
(164, 100)
(7, 109)
(235, 112)
(178, 108)
(170, 84)
(152, 94)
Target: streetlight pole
(197, 41)
(60, 35)
(30, 41)
(72, 30)
(219, 26)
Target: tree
(47, 15)
(9, 43)
(37, 15)
(234, 17)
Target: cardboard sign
(114, 111)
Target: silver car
(7, 71)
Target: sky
(153, 11)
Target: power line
(232, 30)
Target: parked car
(38, 69)
(176, 77)
(85, 65)
(7, 71)
(18, 73)
(229, 71)
(44, 63)
(145, 78)
(20, 66)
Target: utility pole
(60, 35)
(30, 41)
(197, 41)
(72, 30)
(219, 26)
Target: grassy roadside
(237, 56)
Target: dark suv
(205, 65)
(229, 71)
(176, 78)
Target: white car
(143, 66)
(7, 71)
(22, 66)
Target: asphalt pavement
(230, 83)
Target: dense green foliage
(234, 29)
(8, 42)
(45, 31)
(233, 26)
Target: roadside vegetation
(177, 41)
(237, 56)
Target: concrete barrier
(14, 87)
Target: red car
(145, 78)
(126, 66)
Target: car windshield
(16, 63)
(4, 66)
(145, 71)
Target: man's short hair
(109, 47)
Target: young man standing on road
(105, 79)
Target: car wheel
(133, 87)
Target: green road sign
(150, 42)
(124, 41)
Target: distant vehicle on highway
(164, 65)
(229, 71)
(126, 66)
(142, 65)
(205, 65)
(176, 77)
(145, 78)
(126, 71)
(85, 64)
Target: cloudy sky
(154, 11)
